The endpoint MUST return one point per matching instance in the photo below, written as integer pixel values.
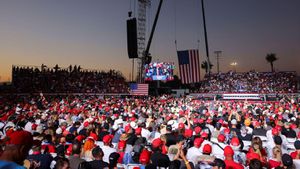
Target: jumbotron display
(159, 71)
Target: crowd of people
(250, 82)
(79, 132)
(71, 80)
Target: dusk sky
(92, 33)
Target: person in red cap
(194, 152)
(257, 147)
(218, 148)
(158, 158)
(239, 156)
(107, 147)
(206, 159)
(121, 150)
(206, 139)
(230, 163)
(16, 149)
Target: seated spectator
(16, 149)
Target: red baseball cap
(138, 131)
(181, 126)
(235, 141)
(121, 144)
(198, 130)
(204, 135)
(80, 138)
(188, 133)
(227, 131)
(108, 138)
(221, 138)
(20, 137)
(207, 149)
(198, 142)
(94, 136)
(145, 157)
(157, 143)
(228, 151)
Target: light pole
(218, 57)
(234, 64)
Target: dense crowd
(71, 80)
(250, 82)
(107, 132)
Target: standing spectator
(230, 163)
(98, 159)
(107, 148)
(75, 159)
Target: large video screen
(159, 71)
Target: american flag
(139, 89)
(189, 66)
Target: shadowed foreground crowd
(151, 132)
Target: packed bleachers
(89, 131)
(249, 82)
(70, 80)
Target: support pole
(205, 35)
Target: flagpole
(205, 35)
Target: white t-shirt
(107, 151)
(192, 154)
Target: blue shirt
(10, 165)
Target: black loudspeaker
(132, 46)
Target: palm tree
(271, 57)
(204, 66)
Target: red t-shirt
(230, 164)
(274, 163)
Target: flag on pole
(139, 89)
(189, 66)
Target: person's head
(228, 152)
(17, 147)
(256, 143)
(277, 140)
(157, 144)
(76, 148)
(218, 164)
(277, 152)
(113, 159)
(207, 149)
(287, 160)
(255, 164)
(235, 143)
(89, 145)
(97, 153)
(198, 142)
(107, 140)
(62, 163)
(297, 145)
